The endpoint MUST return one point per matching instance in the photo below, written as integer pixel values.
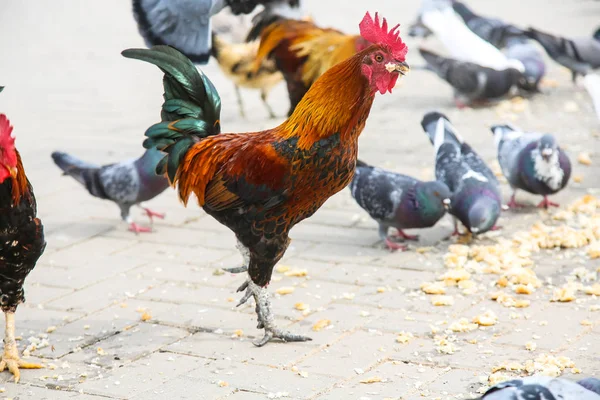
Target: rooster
(21, 238)
(236, 61)
(302, 51)
(261, 184)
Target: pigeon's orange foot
(135, 228)
(405, 236)
(151, 214)
(513, 204)
(393, 246)
(547, 203)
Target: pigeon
(580, 55)
(591, 383)
(417, 28)
(532, 162)
(508, 37)
(462, 43)
(471, 82)
(544, 388)
(398, 201)
(186, 25)
(592, 85)
(492, 30)
(126, 183)
(476, 199)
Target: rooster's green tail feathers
(191, 110)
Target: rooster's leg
(238, 95)
(266, 320)
(10, 358)
(263, 97)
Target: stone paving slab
(123, 316)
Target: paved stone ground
(68, 88)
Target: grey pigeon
(476, 199)
(532, 162)
(472, 83)
(591, 383)
(398, 201)
(186, 24)
(508, 37)
(544, 388)
(491, 30)
(126, 183)
(580, 55)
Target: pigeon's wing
(563, 51)
(378, 191)
(467, 79)
(588, 50)
(120, 182)
(449, 166)
(182, 24)
(510, 144)
(476, 163)
(539, 388)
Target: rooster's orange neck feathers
(19, 183)
(338, 102)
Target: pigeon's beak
(446, 204)
(474, 230)
(547, 153)
(402, 68)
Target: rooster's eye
(379, 58)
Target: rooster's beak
(401, 68)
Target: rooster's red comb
(6, 138)
(371, 31)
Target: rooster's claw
(236, 270)
(279, 334)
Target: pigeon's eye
(378, 58)
(436, 194)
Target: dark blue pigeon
(398, 201)
(532, 162)
(506, 36)
(544, 388)
(476, 199)
(127, 183)
(473, 83)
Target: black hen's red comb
(371, 31)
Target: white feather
(592, 84)
(440, 133)
(475, 175)
(462, 43)
(549, 171)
